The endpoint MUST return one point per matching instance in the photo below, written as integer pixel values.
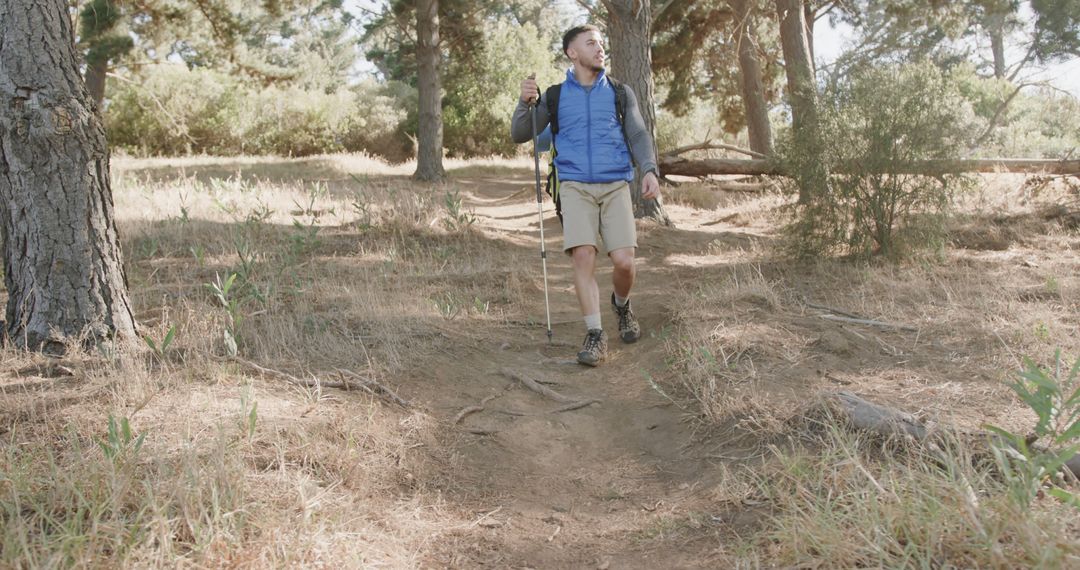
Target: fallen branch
(537, 387)
(748, 187)
(868, 416)
(372, 384)
(677, 165)
(472, 410)
(574, 406)
(885, 421)
(366, 384)
(834, 311)
(869, 322)
(709, 145)
(312, 383)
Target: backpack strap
(551, 97)
(620, 111)
(620, 99)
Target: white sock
(592, 321)
(621, 301)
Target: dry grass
(747, 350)
(857, 502)
(340, 262)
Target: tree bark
(802, 93)
(753, 94)
(62, 262)
(95, 81)
(997, 45)
(429, 154)
(629, 31)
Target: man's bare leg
(588, 292)
(622, 278)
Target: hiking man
(596, 125)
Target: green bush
(175, 110)
(871, 127)
(482, 92)
(1035, 123)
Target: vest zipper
(588, 127)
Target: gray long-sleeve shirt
(637, 136)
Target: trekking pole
(540, 207)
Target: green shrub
(1032, 463)
(872, 126)
(176, 110)
(1036, 122)
(482, 92)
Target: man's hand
(530, 92)
(650, 186)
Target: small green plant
(1052, 285)
(199, 253)
(305, 238)
(1034, 462)
(160, 348)
(481, 306)
(260, 214)
(184, 212)
(362, 206)
(448, 306)
(147, 248)
(222, 292)
(249, 409)
(457, 218)
(120, 442)
(315, 193)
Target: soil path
(619, 483)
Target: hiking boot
(629, 329)
(595, 348)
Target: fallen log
(868, 416)
(726, 186)
(680, 166)
(676, 165)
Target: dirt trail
(614, 484)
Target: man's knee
(583, 254)
(623, 259)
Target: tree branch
(707, 145)
(998, 113)
(588, 8)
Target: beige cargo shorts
(597, 213)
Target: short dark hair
(573, 33)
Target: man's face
(587, 50)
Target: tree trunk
(997, 44)
(429, 154)
(810, 16)
(753, 94)
(62, 262)
(629, 31)
(802, 93)
(95, 81)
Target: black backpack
(551, 97)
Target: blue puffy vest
(590, 142)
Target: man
(593, 163)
